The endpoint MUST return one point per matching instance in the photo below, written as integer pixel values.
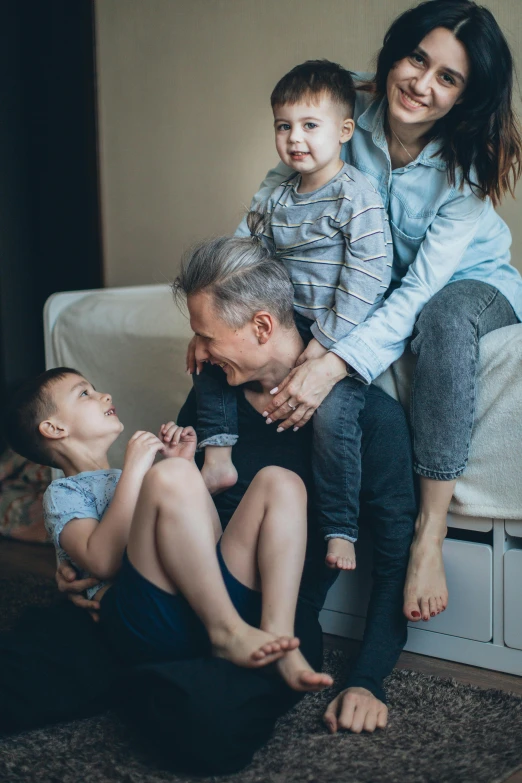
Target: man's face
(85, 413)
(238, 351)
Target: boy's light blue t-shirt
(84, 496)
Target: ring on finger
(293, 407)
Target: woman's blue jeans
(446, 343)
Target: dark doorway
(50, 232)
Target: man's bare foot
(340, 554)
(425, 590)
(218, 470)
(299, 675)
(251, 647)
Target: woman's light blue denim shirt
(440, 234)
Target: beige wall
(184, 116)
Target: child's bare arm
(98, 546)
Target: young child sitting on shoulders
(328, 226)
(153, 529)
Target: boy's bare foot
(218, 470)
(340, 554)
(251, 647)
(425, 590)
(299, 675)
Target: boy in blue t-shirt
(154, 530)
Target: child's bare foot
(425, 590)
(218, 470)
(299, 675)
(251, 647)
(340, 554)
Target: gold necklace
(402, 145)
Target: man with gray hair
(240, 304)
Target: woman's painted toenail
(415, 614)
(433, 614)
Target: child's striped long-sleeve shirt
(336, 245)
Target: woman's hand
(68, 583)
(314, 350)
(303, 390)
(356, 709)
(178, 441)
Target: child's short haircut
(311, 79)
(31, 404)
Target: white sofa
(132, 342)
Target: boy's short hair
(31, 404)
(311, 79)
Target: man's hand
(178, 441)
(193, 363)
(68, 583)
(304, 389)
(141, 452)
(356, 709)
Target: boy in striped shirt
(328, 226)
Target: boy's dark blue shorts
(144, 623)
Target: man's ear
(52, 430)
(263, 326)
(347, 130)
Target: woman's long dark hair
(481, 135)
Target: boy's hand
(303, 390)
(178, 441)
(68, 583)
(314, 350)
(141, 452)
(193, 363)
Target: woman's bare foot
(251, 647)
(218, 470)
(425, 590)
(299, 675)
(340, 554)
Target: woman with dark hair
(437, 136)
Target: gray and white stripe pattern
(336, 246)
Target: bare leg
(219, 472)
(340, 554)
(425, 590)
(264, 547)
(173, 544)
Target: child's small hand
(178, 441)
(141, 452)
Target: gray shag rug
(439, 732)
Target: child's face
(86, 415)
(309, 135)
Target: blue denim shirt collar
(372, 120)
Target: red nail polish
(433, 614)
(415, 614)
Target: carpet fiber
(439, 732)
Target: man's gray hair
(242, 276)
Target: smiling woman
(437, 136)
